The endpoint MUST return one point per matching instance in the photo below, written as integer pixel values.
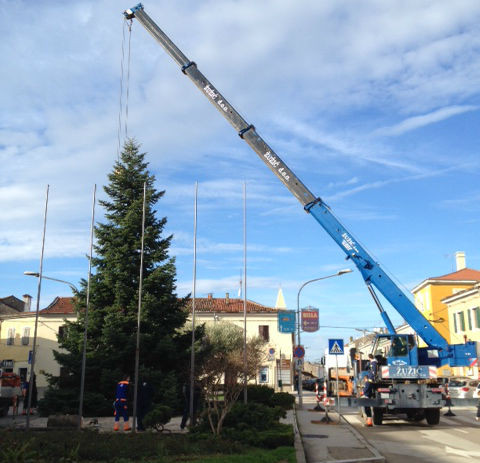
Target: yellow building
(464, 318)
(430, 294)
(16, 339)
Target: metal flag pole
(140, 283)
(192, 354)
(85, 331)
(34, 349)
(245, 293)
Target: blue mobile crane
(407, 382)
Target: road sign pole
(338, 390)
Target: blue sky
(374, 105)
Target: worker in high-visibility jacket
(121, 404)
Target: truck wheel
(377, 415)
(4, 410)
(432, 415)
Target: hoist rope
(128, 78)
(122, 85)
(119, 128)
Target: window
(263, 375)
(455, 326)
(263, 332)
(11, 336)
(461, 317)
(61, 332)
(26, 336)
(477, 316)
(469, 317)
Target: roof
(12, 302)
(464, 276)
(280, 304)
(227, 305)
(60, 305)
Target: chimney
(227, 298)
(27, 302)
(460, 260)
(210, 296)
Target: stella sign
(309, 320)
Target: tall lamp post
(340, 272)
(36, 274)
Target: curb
(377, 455)
(299, 450)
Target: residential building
(17, 331)
(260, 321)
(464, 318)
(430, 293)
(16, 339)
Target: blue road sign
(286, 321)
(335, 347)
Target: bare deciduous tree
(222, 373)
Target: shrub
(159, 416)
(277, 436)
(253, 416)
(258, 394)
(65, 402)
(283, 399)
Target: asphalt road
(455, 439)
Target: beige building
(261, 321)
(17, 330)
(430, 295)
(16, 339)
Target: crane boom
(372, 273)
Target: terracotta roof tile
(60, 305)
(213, 304)
(466, 274)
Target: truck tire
(377, 415)
(432, 415)
(4, 410)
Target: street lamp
(36, 274)
(340, 272)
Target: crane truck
(407, 381)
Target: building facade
(430, 295)
(16, 339)
(277, 369)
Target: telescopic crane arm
(371, 271)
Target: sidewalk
(335, 441)
(102, 424)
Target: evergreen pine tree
(112, 318)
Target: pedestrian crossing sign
(335, 347)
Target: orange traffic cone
(115, 426)
(369, 421)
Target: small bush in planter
(258, 394)
(283, 399)
(158, 417)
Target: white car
(463, 388)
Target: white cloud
(416, 122)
